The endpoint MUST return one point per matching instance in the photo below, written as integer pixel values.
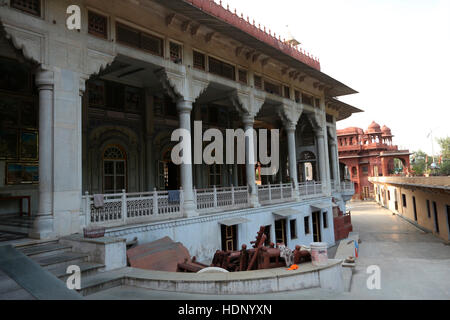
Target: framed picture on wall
(22, 173)
(29, 148)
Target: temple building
(86, 118)
(369, 153)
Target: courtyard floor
(413, 264)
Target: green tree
(418, 163)
(444, 143)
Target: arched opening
(307, 167)
(168, 173)
(114, 169)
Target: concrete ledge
(109, 251)
(248, 282)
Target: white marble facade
(73, 135)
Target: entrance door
(280, 231)
(173, 176)
(229, 238)
(366, 192)
(317, 236)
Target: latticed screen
(307, 100)
(138, 39)
(152, 44)
(98, 25)
(175, 52)
(258, 82)
(199, 60)
(287, 93)
(221, 68)
(243, 76)
(272, 88)
(30, 6)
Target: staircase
(15, 224)
(54, 257)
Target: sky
(395, 53)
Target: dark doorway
(173, 176)
(317, 236)
(229, 238)
(448, 220)
(280, 231)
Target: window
(199, 60)
(114, 170)
(317, 103)
(306, 99)
(404, 200)
(293, 226)
(297, 96)
(242, 76)
(258, 82)
(307, 231)
(215, 175)
(97, 25)
(272, 88)
(389, 195)
(428, 209)
(325, 220)
(415, 209)
(221, 68)
(138, 39)
(29, 6)
(176, 54)
(287, 92)
(365, 170)
(436, 219)
(229, 237)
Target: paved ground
(413, 265)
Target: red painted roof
(266, 36)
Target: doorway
(114, 170)
(229, 237)
(317, 235)
(280, 231)
(415, 209)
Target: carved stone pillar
(250, 159)
(43, 223)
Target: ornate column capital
(248, 119)
(45, 80)
(184, 106)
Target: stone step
(101, 281)
(24, 230)
(87, 269)
(43, 250)
(61, 259)
(18, 294)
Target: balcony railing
(275, 193)
(132, 208)
(310, 188)
(215, 199)
(122, 208)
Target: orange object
(293, 267)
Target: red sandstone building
(370, 153)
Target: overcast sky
(395, 53)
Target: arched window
(114, 170)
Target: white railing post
(181, 200)
(195, 197)
(87, 209)
(270, 192)
(155, 202)
(215, 196)
(232, 195)
(124, 206)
